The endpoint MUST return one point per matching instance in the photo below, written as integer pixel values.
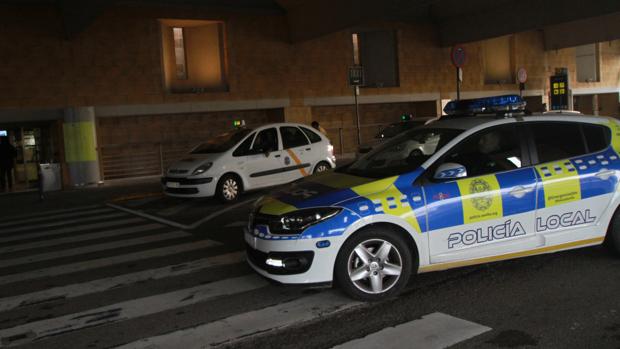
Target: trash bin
(50, 177)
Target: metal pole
(356, 90)
(161, 160)
(458, 85)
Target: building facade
(139, 86)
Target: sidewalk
(25, 203)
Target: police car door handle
(308, 149)
(605, 174)
(520, 191)
(277, 155)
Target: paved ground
(152, 272)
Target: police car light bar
(487, 105)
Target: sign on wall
(559, 92)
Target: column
(81, 146)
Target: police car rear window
(562, 140)
(597, 137)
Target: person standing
(7, 161)
(316, 126)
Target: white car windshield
(222, 142)
(402, 154)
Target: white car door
(297, 155)
(264, 162)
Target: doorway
(35, 143)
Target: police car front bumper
(292, 261)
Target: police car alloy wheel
(228, 188)
(373, 264)
(612, 240)
(321, 167)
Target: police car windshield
(394, 129)
(222, 142)
(402, 153)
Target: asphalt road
(98, 276)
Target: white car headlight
(202, 169)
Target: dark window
(377, 52)
(312, 136)
(557, 140)
(244, 148)
(597, 137)
(292, 137)
(266, 141)
(494, 150)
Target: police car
(246, 159)
(493, 187)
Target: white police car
(246, 159)
(492, 188)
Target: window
(312, 136)
(587, 59)
(401, 154)
(377, 52)
(266, 141)
(494, 150)
(292, 137)
(498, 60)
(556, 140)
(193, 56)
(244, 148)
(179, 53)
(597, 137)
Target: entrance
(35, 143)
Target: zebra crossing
(96, 277)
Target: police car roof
(468, 122)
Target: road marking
(46, 213)
(99, 209)
(243, 326)
(123, 311)
(236, 224)
(107, 261)
(435, 330)
(80, 237)
(78, 228)
(93, 248)
(217, 213)
(179, 225)
(169, 211)
(101, 285)
(61, 223)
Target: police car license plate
(173, 184)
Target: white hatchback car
(246, 159)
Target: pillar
(81, 146)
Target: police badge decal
(480, 202)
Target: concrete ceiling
(564, 22)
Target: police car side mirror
(450, 170)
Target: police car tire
(612, 239)
(341, 273)
(219, 190)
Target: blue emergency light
(487, 105)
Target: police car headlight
(202, 168)
(297, 221)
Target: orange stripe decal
(297, 161)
